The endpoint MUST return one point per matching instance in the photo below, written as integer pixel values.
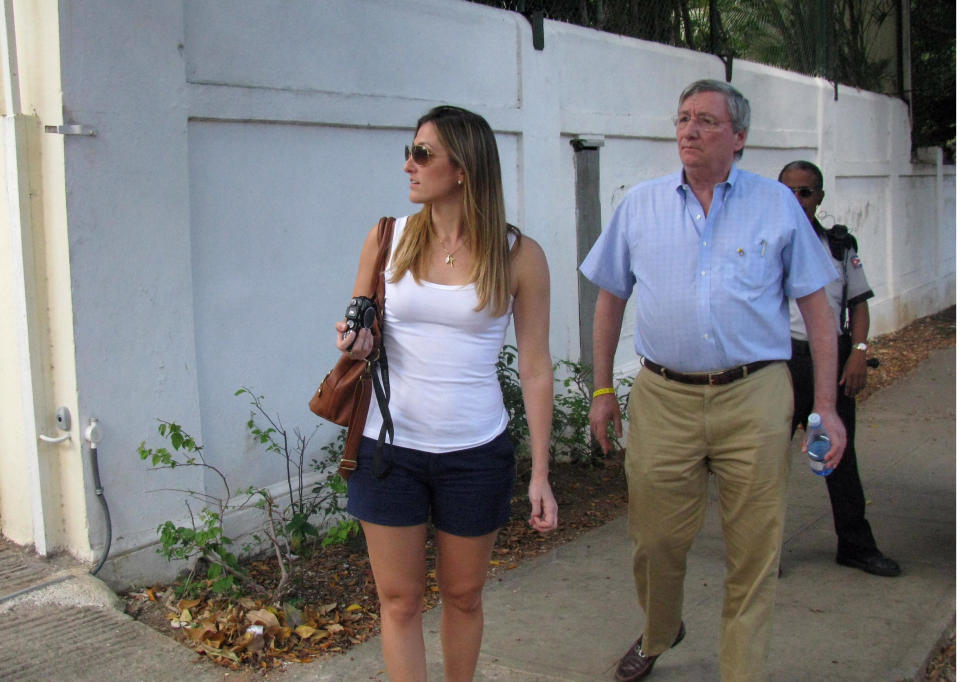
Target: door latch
(70, 129)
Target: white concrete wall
(244, 148)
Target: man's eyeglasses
(704, 121)
(421, 155)
(805, 192)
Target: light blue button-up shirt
(711, 289)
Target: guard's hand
(838, 437)
(356, 346)
(854, 377)
(604, 410)
(543, 506)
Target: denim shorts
(464, 492)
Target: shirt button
(699, 217)
(704, 243)
(706, 336)
(703, 273)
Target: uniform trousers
(679, 434)
(854, 536)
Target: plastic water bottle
(818, 444)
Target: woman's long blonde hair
(469, 140)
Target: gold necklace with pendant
(449, 260)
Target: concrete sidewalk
(570, 614)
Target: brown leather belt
(719, 378)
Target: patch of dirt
(901, 351)
(943, 665)
(330, 603)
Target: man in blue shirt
(713, 254)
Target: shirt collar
(727, 184)
(733, 175)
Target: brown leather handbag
(344, 394)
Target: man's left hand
(838, 436)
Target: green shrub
(571, 438)
(570, 435)
(204, 540)
(509, 378)
(288, 529)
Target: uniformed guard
(848, 296)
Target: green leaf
(224, 584)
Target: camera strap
(381, 374)
(381, 388)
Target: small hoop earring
(459, 183)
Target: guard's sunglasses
(805, 192)
(421, 155)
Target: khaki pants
(679, 433)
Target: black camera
(360, 314)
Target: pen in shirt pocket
(763, 247)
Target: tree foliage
(933, 55)
(841, 40)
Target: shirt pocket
(751, 269)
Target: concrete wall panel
(127, 209)
(641, 95)
(866, 122)
(364, 47)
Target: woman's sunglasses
(421, 155)
(805, 192)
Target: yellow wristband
(602, 391)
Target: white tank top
(442, 358)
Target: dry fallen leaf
(263, 617)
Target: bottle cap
(814, 419)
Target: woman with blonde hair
(456, 275)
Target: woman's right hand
(362, 344)
(361, 287)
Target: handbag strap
(377, 288)
(385, 243)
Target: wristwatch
(861, 346)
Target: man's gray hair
(738, 106)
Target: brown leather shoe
(635, 665)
